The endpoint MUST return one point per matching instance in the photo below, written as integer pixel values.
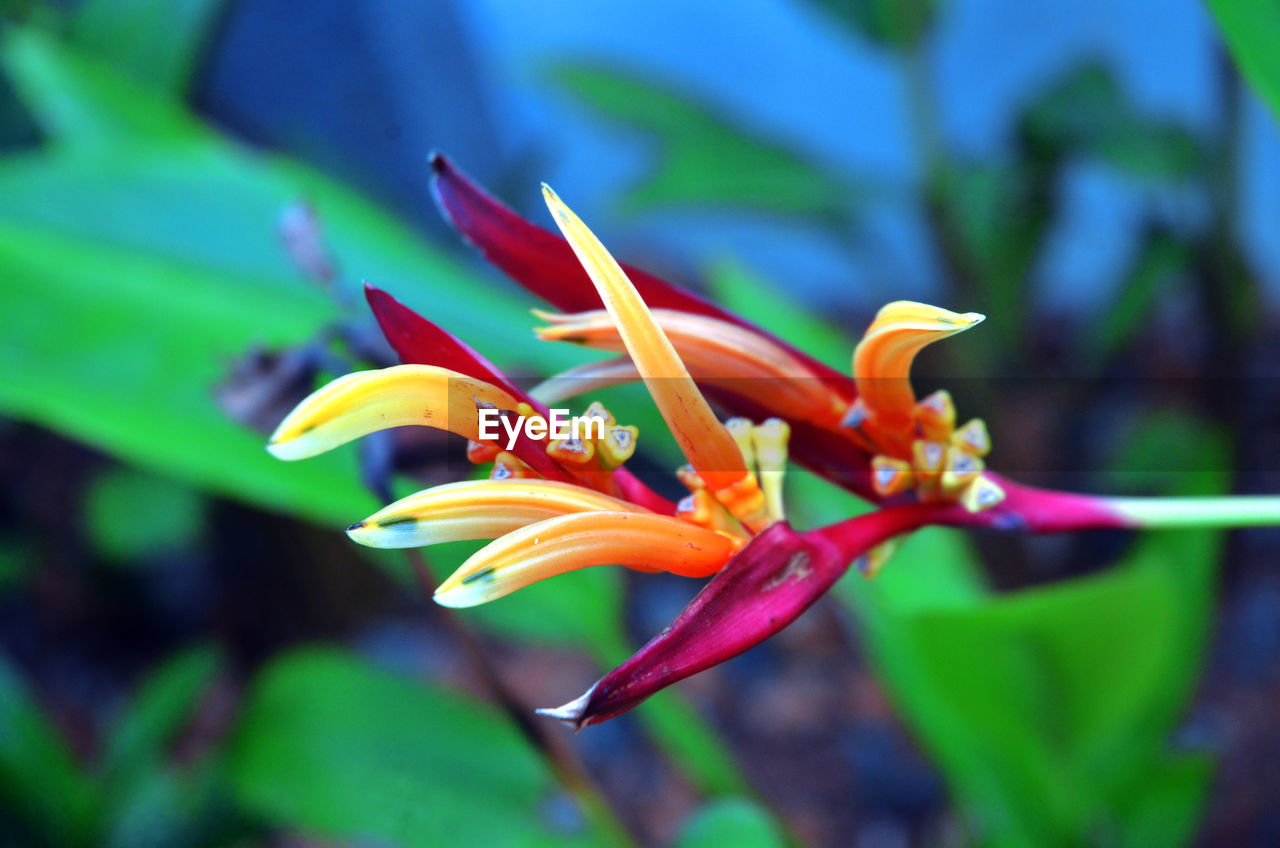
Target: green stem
(1233, 511)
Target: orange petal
(477, 509)
(882, 360)
(717, 353)
(538, 551)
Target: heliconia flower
(559, 505)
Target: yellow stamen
(973, 437)
(769, 441)
(508, 466)
(476, 509)
(574, 452)
(891, 476)
(618, 444)
(936, 416)
(701, 437)
(962, 469)
(570, 542)
(367, 401)
(982, 493)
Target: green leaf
(168, 808)
(162, 707)
(706, 159)
(1157, 272)
(41, 785)
(732, 821)
(1251, 29)
(158, 41)
(1049, 709)
(892, 23)
(1087, 113)
(134, 516)
(121, 350)
(81, 102)
(145, 260)
(333, 748)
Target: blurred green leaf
(134, 516)
(1157, 271)
(334, 748)
(169, 808)
(706, 160)
(81, 102)
(41, 786)
(162, 707)
(158, 41)
(1050, 709)
(1087, 113)
(892, 23)
(1251, 29)
(145, 259)
(121, 350)
(732, 821)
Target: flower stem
(1234, 511)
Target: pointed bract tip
(571, 713)
(974, 317)
(355, 527)
(437, 161)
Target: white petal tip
(461, 597)
(570, 713)
(974, 317)
(287, 451)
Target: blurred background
(193, 654)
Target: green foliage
(1252, 32)
(154, 239)
(133, 516)
(732, 821)
(334, 748)
(706, 159)
(160, 41)
(40, 782)
(1159, 268)
(136, 797)
(891, 23)
(1087, 114)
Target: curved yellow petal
(477, 509)
(635, 539)
(882, 360)
(367, 401)
(702, 439)
(718, 353)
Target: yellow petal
(701, 438)
(366, 401)
(634, 539)
(882, 360)
(477, 509)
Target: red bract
(765, 587)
